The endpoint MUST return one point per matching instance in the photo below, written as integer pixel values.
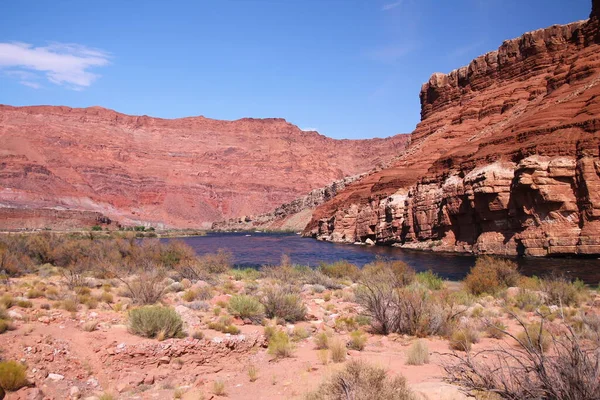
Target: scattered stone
(55, 377)
(75, 393)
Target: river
(268, 248)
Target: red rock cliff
(504, 160)
(186, 172)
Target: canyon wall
(61, 162)
(292, 216)
(505, 159)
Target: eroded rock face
(179, 173)
(504, 161)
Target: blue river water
(267, 249)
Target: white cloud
(61, 64)
(390, 6)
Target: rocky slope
(87, 166)
(505, 159)
(292, 216)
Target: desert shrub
(252, 373)
(358, 340)
(495, 329)
(148, 287)
(90, 326)
(285, 273)
(4, 325)
(216, 263)
(322, 341)
(224, 325)
(534, 337)
(378, 294)
(361, 381)
(430, 280)
(340, 270)
(198, 335)
(70, 305)
(527, 300)
(317, 278)
(34, 294)
(337, 349)
(283, 302)
(198, 306)
(346, 324)
(219, 388)
(13, 375)
(568, 371)
(560, 291)
(174, 253)
(299, 333)
(490, 275)
(280, 345)
(150, 321)
(189, 295)
(7, 301)
(418, 353)
(204, 292)
(24, 304)
(106, 297)
(462, 338)
(414, 311)
(244, 306)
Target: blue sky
(347, 68)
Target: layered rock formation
(505, 159)
(292, 216)
(94, 164)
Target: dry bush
(490, 275)
(393, 307)
(418, 353)
(217, 263)
(340, 270)
(280, 345)
(154, 321)
(362, 381)
(462, 338)
(560, 291)
(535, 337)
(430, 280)
(495, 329)
(338, 351)
(358, 340)
(283, 302)
(569, 371)
(322, 341)
(527, 300)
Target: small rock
(44, 320)
(55, 377)
(149, 379)
(93, 382)
(164, 360)
(14, 315)
(75, 393)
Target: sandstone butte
(66, 168)
(504, 160)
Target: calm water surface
(267, 249)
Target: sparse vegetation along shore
(334, 314)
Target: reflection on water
(267, 249)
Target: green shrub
(322, 341)
(13, 375)
(7, 301)
(299, 333)
(430, 280)
(418, 353)
(527, 300)
(490, 275)
(358, 340)
(34, 294)
(284, 303)
(24, 304)
(150, 321)
(280, 345)
(362, 381)
(246, 307)
(340, 270)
